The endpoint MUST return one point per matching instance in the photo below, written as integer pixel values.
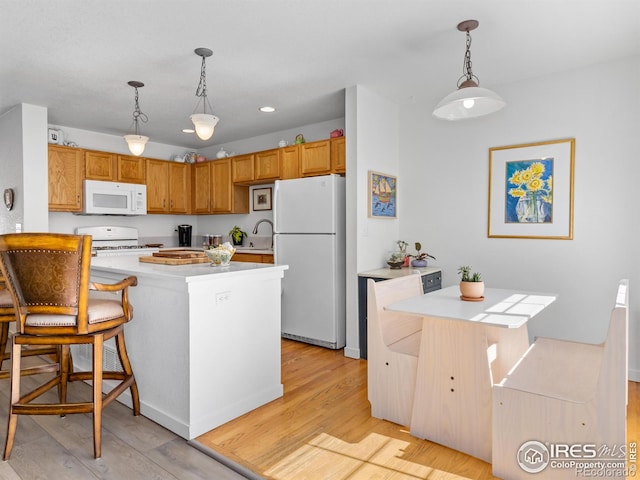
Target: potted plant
(420, 258)
(395, 260)
(402, 246)
(471, 284)
(237, 235)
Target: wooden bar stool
(47, 276)
(8, 316)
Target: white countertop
(388, 273)
(130, 265)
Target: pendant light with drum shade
(136, 141)
(469, 100)
(204, 122)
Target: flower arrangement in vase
(471, 284)
(420, 258)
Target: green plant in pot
(471, 284)
(237, 235)
(420, 258)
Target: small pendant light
(136, 141)
(204, 122)
(469, 100)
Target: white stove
(115, 241)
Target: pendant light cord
(201, 90)
(137, 114)
(467, 74)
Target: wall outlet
(223, 297)
(18, 228)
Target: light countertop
(388, 273)
(130, 265)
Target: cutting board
(180, 254)
(174, 261)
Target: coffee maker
(184, 235)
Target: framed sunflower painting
(531, 190)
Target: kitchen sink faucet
(255, 228)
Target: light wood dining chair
(393, 342)
(563, 393)
(47, 276)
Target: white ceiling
(75, 57)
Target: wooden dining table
(466, 347)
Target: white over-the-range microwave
(113, 198)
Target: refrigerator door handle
(276, 223)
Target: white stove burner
(115, 241)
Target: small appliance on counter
(184, 235)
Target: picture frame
(261, 199)
(383, 191)
(531, 190)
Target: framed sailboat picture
(382, 195)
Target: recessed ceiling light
(188, 130)
(267, 109)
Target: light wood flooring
(322, 429)
(51, 447)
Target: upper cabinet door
(267, 165)
(289, 158)
(100, 166)
(179, 193)
(242, 167)
(201, 190)
(131, 169)
(338, 155)
(157, 186)
(315, 158)
(66, 170)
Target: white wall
(116, 143)
(11, 168)
(23, 163)
(372, 144)
(311, 133)
(444, 174)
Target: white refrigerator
(309, 236)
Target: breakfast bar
(204, 341)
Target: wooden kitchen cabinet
(214, 191)
(157, 186)
(289, 158)
(130, 169)
(227, 197)
(167, 186)
(315, 158)
(114, 168)
(267, 165)
(242, 168)
(179, 193)
(99, 165)
(338, 155)
(66, 171)
(252, 257)
(201, 193)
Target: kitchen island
(204, 341)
